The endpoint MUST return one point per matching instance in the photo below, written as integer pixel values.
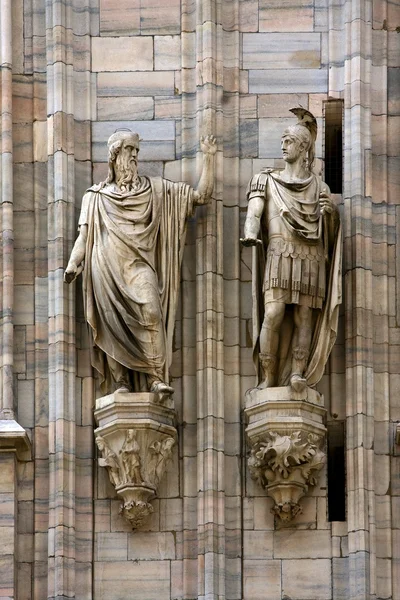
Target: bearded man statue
(297, 264)
(130, 246)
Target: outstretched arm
(75, 263)
(253, 221)
(202, 194)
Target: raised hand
(208, 144)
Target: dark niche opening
(333, 142)
(336, 471)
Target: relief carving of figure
(110, 460)
(131, 459)
(161, 453)
(130, 246)
(295, 229)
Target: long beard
(125, 171)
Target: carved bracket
(286, 436)
(135, 437)
(285, 466)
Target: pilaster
(61, 232)
(14, 442)
(359, 298)
(209, 290)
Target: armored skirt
(295, 272)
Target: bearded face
(126, 164)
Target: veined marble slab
(149, 83)
(286, 81)
(281, 50)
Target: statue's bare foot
(159, 387)
(298, 383)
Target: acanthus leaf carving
(285, 465)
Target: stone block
(115, 109)
(233, 578)
(307, 579)
(22, 97)
(22, 136)
(286, 81)
(167, 52)
(135, 580)
(281, 51)
(122, 54)
(286, 15)
(111, 547)
(159, 18)
(84, 95)
(149, 83)
(278, 105)
(184, 578)
(248, 15)
(151, 546)
(171, 514)
(248, 138)
(7, 577)
(18, 36)
(25, 579)
(7, 536)
(24, 305)
(302, 544)
(262, 580)
(122, 18)
(257, 544)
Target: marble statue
(131, 240)
(295, 229)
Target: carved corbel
(286, 435)
(285, 465)
(135, 439)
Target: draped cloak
(116, 252)
(304, 222)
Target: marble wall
(72, 72)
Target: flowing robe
(291, 265)
(134, 250)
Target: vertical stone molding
(286, 435)
(61, 300)
(359, 214)
(135, 438)
(14, 441)
(7, 216)
(209, 321)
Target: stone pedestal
(286, 434)
(135, 437)
(13, 438)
